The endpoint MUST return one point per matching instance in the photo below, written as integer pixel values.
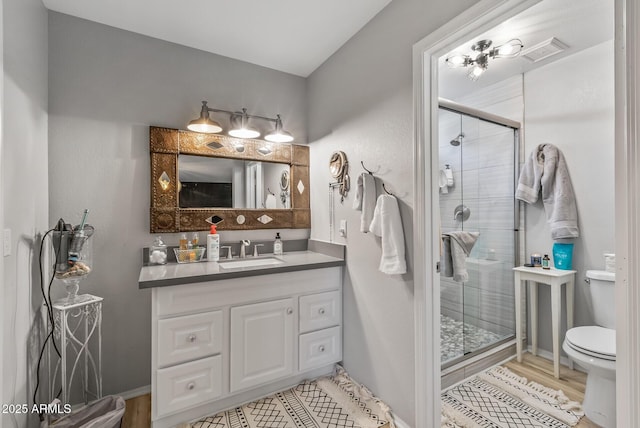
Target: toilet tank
(602, 290)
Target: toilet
(594, 349)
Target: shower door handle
(461, 211)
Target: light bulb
(456, 60)
(244, 133)
(475, 72)
(509, 50)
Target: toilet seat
(596, 341)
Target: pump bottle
(213, 245)
(277, 246)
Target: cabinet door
(261, 343)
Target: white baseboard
(135, 392)
(400, 423)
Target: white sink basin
(233, 264)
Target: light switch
(343, 228)
(6, 242)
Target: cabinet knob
(289, 311)
(191, 385)
(192, 338)
(321, 311)
(321, 348)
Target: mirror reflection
(207, 182)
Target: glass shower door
(477, 161)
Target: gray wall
(360, 101)
(24, 197)
(579, 119)
(106, 87)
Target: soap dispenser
(277, 246)
(213, 245)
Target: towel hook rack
(388, 192)
(270, 192)
(365, 168)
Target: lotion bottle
(277, 246)
(213, 245)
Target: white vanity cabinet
(261, 343)
(219, 344)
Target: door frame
(475, 20)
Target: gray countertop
(185, 273)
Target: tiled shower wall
(483, 170)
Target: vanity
(228, 332)
(225, 336)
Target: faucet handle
(255, 249)
(228, 247)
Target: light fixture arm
(206, 125)
(206, 108)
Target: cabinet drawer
(319, 311)
(320, 348)
(189, 337)
(188, 384)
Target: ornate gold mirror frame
(166, 144)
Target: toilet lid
(593, 340)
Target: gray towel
(457, 246)
(546, 170)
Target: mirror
(206, 182)
(196, 178)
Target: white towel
(546, 170)
(270, 202)
(366, 187)
(444, 187)
(457, 246)
(387, 224)
(357, 202)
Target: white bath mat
(328, 402)
(498, 398)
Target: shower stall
(478, 156)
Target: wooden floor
(540, 370)
(138, 412)
(537, 369)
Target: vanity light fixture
(480, 62)
(240, 127)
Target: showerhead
(458, 140)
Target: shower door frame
(470, 23)
(473, 21)
(516, 126)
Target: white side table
(553, 278)
(77, 325)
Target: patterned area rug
(328, 402)
(498, 398)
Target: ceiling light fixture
(480, 62)
(240, 127)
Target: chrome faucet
(255, 249)
(227, 247)
(243, 244)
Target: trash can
(106, 412)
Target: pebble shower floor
(458, 338)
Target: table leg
(533, 289)
(555, 326)
(569, 291)
(518, 302)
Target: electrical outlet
(6, 242)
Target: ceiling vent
(544, 50)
